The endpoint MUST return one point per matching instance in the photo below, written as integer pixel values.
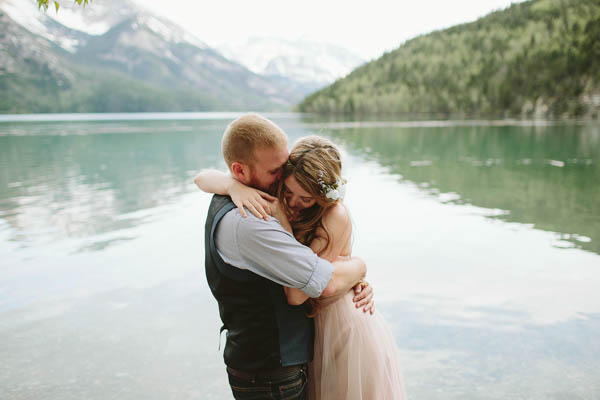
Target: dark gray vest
(263, 330)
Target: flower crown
(333, 191)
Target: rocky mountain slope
(119, 57)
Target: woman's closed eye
(288, 195)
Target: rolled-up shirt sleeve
(268, 250)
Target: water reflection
(122, 344)
(80, 179)
(102, 292)
(483, 362)
(546, 176)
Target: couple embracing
(299, 318)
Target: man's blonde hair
(248, 133)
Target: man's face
(266, 171)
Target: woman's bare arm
(331, 241)
(214, 181)
(349, 271)
(218, 182)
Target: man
(248, 260)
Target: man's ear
(241, 172)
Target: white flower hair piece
(333, 191)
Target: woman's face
(296, 197)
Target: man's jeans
(283, 383)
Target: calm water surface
(482, 241)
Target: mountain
(119, 57)
(310, 65)
(533, 59)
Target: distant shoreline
(320, 122)
(138, 116)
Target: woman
(355, 353)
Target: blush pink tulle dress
(356, 357)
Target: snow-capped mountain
(303, 61)
(27, 15)
(115, 56)
(94, 20)
(97, 17)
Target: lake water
(482, 240)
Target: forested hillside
(534, 59)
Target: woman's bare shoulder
(337, 217)
(337, 233)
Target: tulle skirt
(356, 357)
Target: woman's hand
(277, 211)
(256, 201)
(363, 296)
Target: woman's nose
(292, 202)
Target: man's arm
(346, 274)
(266, 249)
(347, 271)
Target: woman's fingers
(253, 210)
(370, 307)
(368, 304)
(264, 202)
(240, 207)
(261, 209)
(257, 206)
(264, 206)
(358, 288)
(266, 196)
(362, 290)
(364, 300)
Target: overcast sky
(367, 28)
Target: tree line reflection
(546, 176)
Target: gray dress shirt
(268, 250)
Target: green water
(545, 176)
(482, 242)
